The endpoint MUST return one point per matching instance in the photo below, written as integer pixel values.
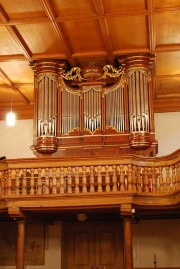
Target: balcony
(127, 183)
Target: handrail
(58, 176)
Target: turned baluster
(139, 183)
(173, 177)
(46, 183)
(177, 177)
(153, 179)
(69, 181)
(9, 182)
(24, 183)
(39, 185)
(62, 180)
(76, 179)
(32, 181)
(107, 178)
(114, 178)
(84, 180)
(2, 182)
(133, 179)
(161, 181)
(146, 187)
(54, 181)
(17, 182)
(99, 179)
(91, 178)
(122, 185)
(168, 179)
(129, 183)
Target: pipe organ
(94, 110)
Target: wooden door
(94, 245)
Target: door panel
(93, 245)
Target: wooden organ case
(94, 111)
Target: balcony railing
(126, 174)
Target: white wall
(167, 131)
(156, 239)
(15, 141)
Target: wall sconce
(81, 217)
(11, 117)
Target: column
(128, 256)
(20, 244)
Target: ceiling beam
(98, 4)
(16, 35)
(50, 13)
(12, 86)
(151, 26)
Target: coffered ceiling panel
(125, 38)
(8, 46)
(40, 38)
(73, 8)
(83, 31)
(23, 9)
(112, 6)
(83, 36)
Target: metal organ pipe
(138, 101)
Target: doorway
(94, 245)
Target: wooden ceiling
(80, 31)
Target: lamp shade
(10, 119)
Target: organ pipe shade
(92, 109)
(138, 90)
(70, 111)
(47, 105)
(115, 109)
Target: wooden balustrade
(37, 177)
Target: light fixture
(11, 117)
(81, 217)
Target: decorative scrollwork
(74, 73)
(111, 71)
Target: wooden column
(128, 257)
(20, 245)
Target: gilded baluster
(39, 185)
(46, 185)
(17, 189)
(69, 181)
(76, 179)
(168, 179)
(62, 180)
(99, 179)
(54, 181)
(32, 181)
(24, 183)
(107, 179)
(91, 178)
(84, 180)
(122, 185)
